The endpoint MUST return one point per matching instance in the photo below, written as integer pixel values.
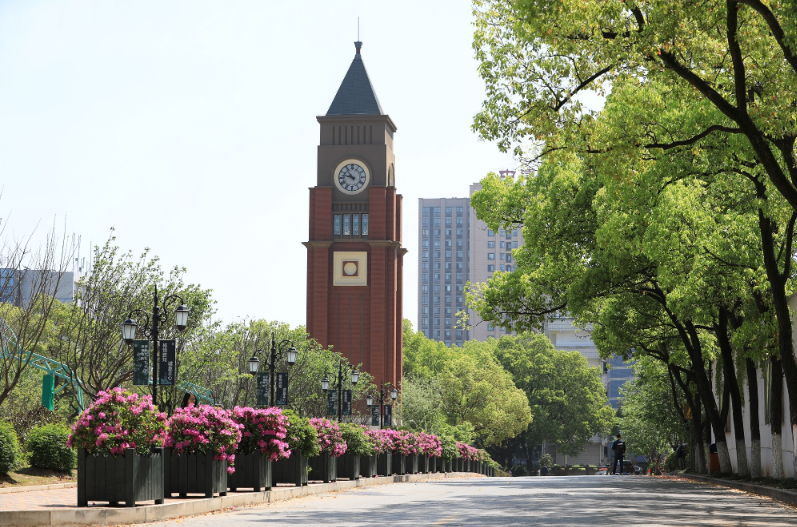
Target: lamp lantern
(254, 364)
(129, 327)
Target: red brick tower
(354, 253)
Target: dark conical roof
(356, 96)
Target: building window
(459, 265)
(448, 265)
(448, 276)
(460, 300)
(459, 276)
(425, 277)
(508, 257)
(437, 232)
(437, 333)
(437, 266)
(437, 244)
(425, 243)
(501, 232)
(514, 232)
(491, 256)
(437, 311)
(490, 233)
(437, 277)
(459, 243)
(448, 300)
(426, 254)
(437, 222)
(459, 210)
(425, 299)
(491, 244)
(508, 268)
(501, 256)
(346, 227)
(490, 268)
(514, 245)
(459, 221)
(365, 225)
(426, 221)
(448, 288)
(459, 232)
(437, 211)
(490, 327)
(437, 300)
(437, 322)
(459, 254)
(355, 224)
(437, 254)
(448, 334)
(425, 232)
(501, 244)
(425, 265)
(425, 310)
(448, 210)
(436, 288)
(448, 221)
(425, 322)
(448, 232)
(448, 311)
(502, 267)
(448, 322)
(336, 225)
(448, 254)
(424, 289)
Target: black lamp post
(277, 353)
(355, 376)
(151, 329)
(382, 394)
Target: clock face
(352, 178)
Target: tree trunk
(697, 429)
(776, 418)
(755, 431)
(729, 372)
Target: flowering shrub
(357, 442)
(204, 430)
(403, 442)
(449, 448)
(429, 444)
(466, 452)
(301, 435)
(118, 420)
(264, 430)
(329, 437)
(381, 440)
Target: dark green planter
(368, 466)
(448, 465)
(349, 466)
(122, 479)
(194, 474)
(460, 465)
(433, 464)
(292, 470)
(413, 462)
(323, 467)
(384, 464)
(399, 465)
(423, 464)
(252, 471)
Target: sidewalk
(59, 506)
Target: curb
(29, 488)
(779, 494)
(167, 511)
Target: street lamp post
(151, 329)
(277, 353)
(355, 376)
(382, 394)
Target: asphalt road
(573, 501)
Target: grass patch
(26, 476)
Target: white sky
(140, 115)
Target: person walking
(618, 447)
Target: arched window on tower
(391, 178)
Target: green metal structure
(10, 349)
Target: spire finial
(358, 44)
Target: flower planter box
(399, 465)
(384, 464)
(448, 465)
(252, 471)
(349, 466)
(368, 466)
(127, 479)
(323, 467)
(194, 474)
(412, 464)
(423, 464)
(432, 464)
(292, 470)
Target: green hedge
(10, 454)
(47, 446)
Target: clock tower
(354, 253)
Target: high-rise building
(443, 267)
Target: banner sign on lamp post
(263, 386)
(141, 363)
(346, 402)
(282, 389)
(168, 359)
